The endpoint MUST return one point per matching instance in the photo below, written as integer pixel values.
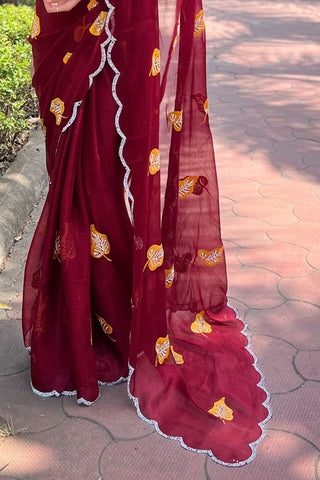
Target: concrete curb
(20, 188)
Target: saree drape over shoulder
(127, 262)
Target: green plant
(17, 100)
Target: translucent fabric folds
(127, 261)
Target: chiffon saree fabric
(126, 275)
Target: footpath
(264, 95)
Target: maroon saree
(127, 261)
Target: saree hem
(262, 424)
(66, 393)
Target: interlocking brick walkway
(264, 86)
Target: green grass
(17, 99)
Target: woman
(127, 260)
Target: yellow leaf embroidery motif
(98, 24)
(35, 29)
(186, 186)
(169, 277)
(57, 108)
(66, 58)
(155, 256)
(155, 68)
(178, 358)
(92, 4)
(162, 349)
(175, 120)
(200, 325)
(106, 327)
(221, 410)
(198, 24)
(154, 161)
(212, 257)
(100, 246)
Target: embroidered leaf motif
(200, 184)
(66, 58)
(154, 161)
(155, 256)
(106, 327)
(155, 68)
(98, 24)
(35, 29)
(100, 246)
(198, 24)
(203, 104)
(212, 257)
(200, 100)
(79, 32)
(221, 410)
(92, 4)
(169, 277)
(200, 325)
(67, 246)
(181, 263)
(57, 108)
(138, 243)
(175, 120)
(186, 186)
(56, 248)
(39, 324)
(162, 349)
(36, 277)
(178, 358)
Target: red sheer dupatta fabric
(127, 261)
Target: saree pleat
(127, 261)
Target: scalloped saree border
(262, 424)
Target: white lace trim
(117, 117)
(209, 452)
(55, 393)
(109, 384)
(76, 105)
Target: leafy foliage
(17, 99)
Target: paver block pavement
(282, 258)
(71, 450)
(152, 457)
(275, 359)
(296, 412)
(280, 455)
(114, 410)
(307, 364)
(295, 322)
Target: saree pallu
(127, 261)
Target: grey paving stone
(70, 451)
(13, 356)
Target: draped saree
(125, 277)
